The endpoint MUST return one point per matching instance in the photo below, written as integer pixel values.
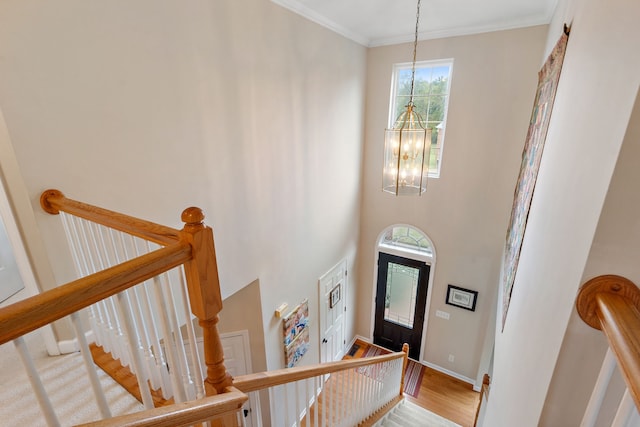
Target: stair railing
(354, 392)
(612, 304)
(124, 261)
(343, 393)
(120, 271)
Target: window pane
(430, 97)
(401, 104)
(440, 81)
(402, 286)
(437, 106)
(404, 82)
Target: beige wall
(614, 251)
(465, 211)
(239, 107)
(597, 89)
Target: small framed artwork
(334, 296)
(460, 297)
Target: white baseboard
(451, 374)
(361, 338)
(72, 346)
(353, 341)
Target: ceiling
(382, 22)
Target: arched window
(405, 238)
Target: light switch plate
(442, 314)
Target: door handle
(324, 341)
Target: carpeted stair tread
(407, 414)
(389, 422)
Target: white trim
(428, 63)
(456, 32)
(312, 15)
(429, 260)
(72, 346)
(14, 198)
(451, 373)
(256, 410)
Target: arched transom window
(406, 238)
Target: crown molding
(298, 8)
(313, 16)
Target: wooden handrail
(39, 310)
(612, 304)
(180, 414)
(262, 380)
(53, 201)
(200, 268)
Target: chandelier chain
(415, 48)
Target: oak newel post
(205, 297)
(405, 362)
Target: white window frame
(392, 99)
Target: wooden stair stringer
(123, 376)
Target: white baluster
(193, 348)
(93, 316)
(599, 390)
(625, 410)
(169, 347)
(272, 402)
(125, 308)
(307, 398)
(354, 378)
(167, 387)
(91, 368)
(316, 395)
(298, 405)
(159, 366)
(111, 345)
(325, 397)
(101, 254)
(36, 383)
(183, 366)
(285, 400)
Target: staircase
(407, 414)
(139, 283)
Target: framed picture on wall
(295, 328)
(334, 297)
(460, 297)
(548, 79)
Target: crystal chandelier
(407, 145)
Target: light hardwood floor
(441, 394)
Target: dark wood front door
(401, 299)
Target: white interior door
(332, 289)
(237, 360)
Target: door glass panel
(402, 286)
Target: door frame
(22, 230)
(413, 339)
(254, 402)
(429, 260)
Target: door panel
(401, 298)
(332, 312)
